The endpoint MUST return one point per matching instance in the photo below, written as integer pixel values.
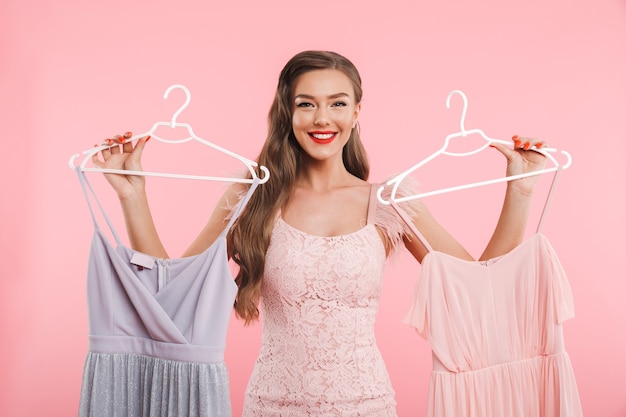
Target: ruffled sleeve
(561, 290)
(418, 315)
(389, 222)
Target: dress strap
(371, 206)
(407, 220)
(555, 178)
(241, 205)
(88, 189)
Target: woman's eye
(304, 104)
(339, 104)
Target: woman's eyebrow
(336, 95)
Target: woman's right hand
(123, 155)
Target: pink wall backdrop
(73, 72)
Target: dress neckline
(487, 263)
(280, 219)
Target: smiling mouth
(322, 137)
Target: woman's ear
(357, 110)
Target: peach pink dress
(319, 301)
(495, 329)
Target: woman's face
(325, 112)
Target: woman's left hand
(522, 159)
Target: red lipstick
(322, 137)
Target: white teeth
(323, 136)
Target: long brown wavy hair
(249, 237)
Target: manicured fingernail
(517, 143)
(515, 137)
(121, 140)
(109, 141)
(148, 138)
(526, 146)
(539, 145)
(491, 146)
(128, 134)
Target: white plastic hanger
(444, 151)
(192, 136)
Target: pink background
(74, 72)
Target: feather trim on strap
(231, 206)
(389, 222)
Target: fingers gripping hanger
(251, 165)
(395, 182)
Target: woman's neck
(326, 177)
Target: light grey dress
(157, 329)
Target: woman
(312, 242)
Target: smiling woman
(321, 275)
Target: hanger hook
(185, 104)
(569, 159)
(464, 112)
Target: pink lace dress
(319, 301)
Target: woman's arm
(130, 189)
(435, 234)
(218, 220)
(511, 225)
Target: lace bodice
(319, 301)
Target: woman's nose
(321, 118)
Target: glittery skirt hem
(116, 384)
